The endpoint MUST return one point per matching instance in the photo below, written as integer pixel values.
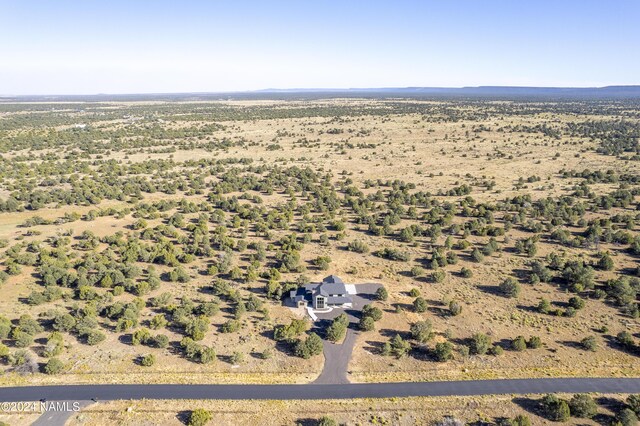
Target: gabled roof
(334, 279)
(327, 287)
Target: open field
(155, 242)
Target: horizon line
(328, 89)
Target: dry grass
(431, 155)
(392, 411)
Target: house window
(320, 302)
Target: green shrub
(534, 342)
(5, 327)
(466, 273)
(625, 339)
(231, 326)
(148, 360)
(311, 346)
(237, 358)
(633, 402)
(327, 421)
(358, 247)
(555, 409)
(338, 328)
(53, 366)
(399, 347)
(94, 337)
(521, 420)
(290, 331)
(421, 331)
(455, 308)
(496, 350)
(417, 271)
(627, 417)
(510, 287)
(438, 276)
(544, 306)
(443, 351)
(22, 339)
(420, 305)
(576, 302)
(367, 324)
(582, 405)
(519, 344)
(480, 344)
(54, 345)
(382, 294)
(199, 417)
(372, 311)
(589, 343)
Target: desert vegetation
(163, 238)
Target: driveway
(337, 356)
(59, 418)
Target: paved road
(319, 391)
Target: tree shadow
(612, 342)
(522, 275)
(258, 290)
(374, 347)
(529, 405)
(570, 344)
(560, 304)
(320, 327)
(286, 347)
(175, 348)
(407, 274)
(183, 416)
(307, 422)
(441, 312)
(504, 344)
(528, 308)
(257, 355)
(402, 306)
(612, 404)
(367, 296)
(126, 339)
(390, 333)
(491, 289)
(226, 358)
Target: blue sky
(146, 46)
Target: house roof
(334, 279)
(326, 289)
(331, 287)
(298, 294)
(339, 300)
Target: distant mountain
(490, 92)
